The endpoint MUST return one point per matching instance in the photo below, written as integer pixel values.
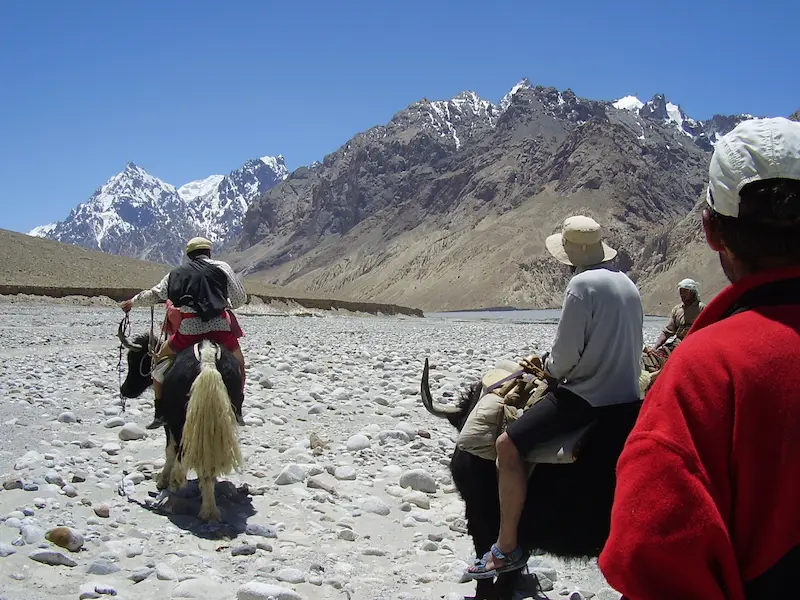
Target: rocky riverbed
(345, 491)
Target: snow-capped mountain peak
(631, 103)
(505, 102)
(702, 133)
(137, 214)
(276, 163)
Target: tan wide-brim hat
(580, 243)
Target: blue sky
(190, 88)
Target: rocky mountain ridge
(448, 204)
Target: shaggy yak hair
(567, 510)
(200, 393)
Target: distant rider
(682, 317)
(199, 295)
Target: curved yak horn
(441, 411)
(125, 341)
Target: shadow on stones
(182, 507)
(525, 587)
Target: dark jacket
(200, 285)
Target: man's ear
(713, 238)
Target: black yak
(201, 391)
(567, 511)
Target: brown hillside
(40, 266)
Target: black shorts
(559, 411)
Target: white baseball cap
(754, 150)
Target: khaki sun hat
(580, 243)
(198, 243)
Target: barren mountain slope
(402, 213)
(679, 251)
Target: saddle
(507, 391)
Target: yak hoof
(162, 482)
(210, 514)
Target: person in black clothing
(200, 297)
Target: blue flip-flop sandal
(513, 561)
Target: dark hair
(202, 252)
(768, 227)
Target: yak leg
(506, 584)
(484, 590)
(208, 508)
(177, 478)
(171, 452)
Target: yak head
(457, 415)
(139, 362)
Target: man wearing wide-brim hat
(595, 360)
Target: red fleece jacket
(708, 484)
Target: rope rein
(154, 346)
(126, 327)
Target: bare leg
(512, 483)
(164, 477)
(208, 508)
(513, 488)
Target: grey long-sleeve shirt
(597, 350)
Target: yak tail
(210, 445)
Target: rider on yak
(200, 296)
(594, 364)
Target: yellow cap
(198, 243)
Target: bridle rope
(154, 345)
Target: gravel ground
(352, 382)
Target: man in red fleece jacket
(707, 504)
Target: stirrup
(157, 422)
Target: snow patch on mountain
(200, 188)
(506, 100)
(631, 103)
(276, 163)
(42, 230)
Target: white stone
(290, 575)
(114, 422)
(256, 590)
(131, 431)
(292, 473)
(201, 588)
(419, 480)
(357, 442)
(67, 417)
(375, 505)
(345, 473)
